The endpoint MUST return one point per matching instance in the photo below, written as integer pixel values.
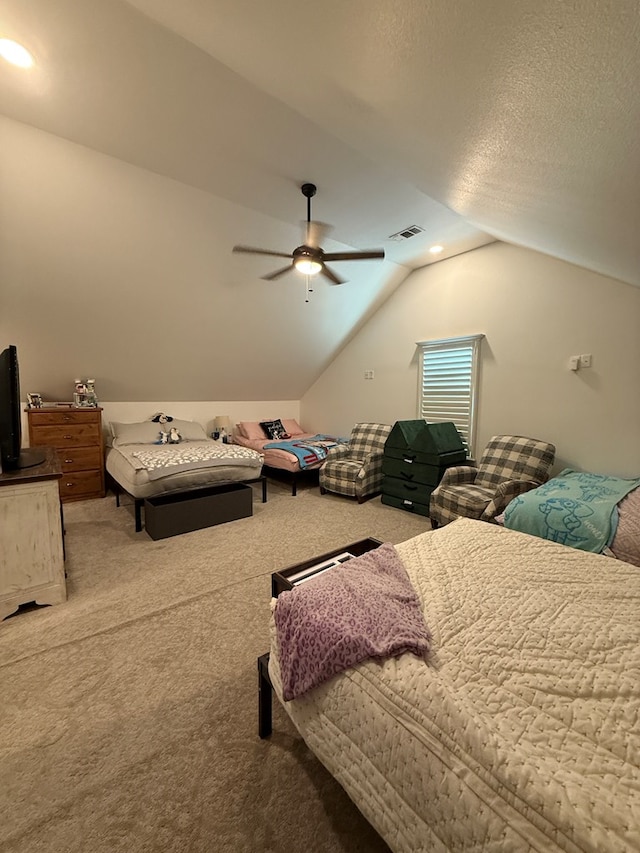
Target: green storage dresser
(416, 455)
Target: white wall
(201, 412)
(111, 271)
(535, 312)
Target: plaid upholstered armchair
(510, 465)
(355, 469)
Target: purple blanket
(364, 608)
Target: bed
(520, 728)
(270, 438)
(592, 512)
(142, 468)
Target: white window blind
(448, 383)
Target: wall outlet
(368, 374)
(585, 360)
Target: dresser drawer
(411, 491)
(80, 458)
(63, 417)
(80, 485)
(67, 435)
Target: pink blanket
(364, 608)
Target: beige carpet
(128, 714)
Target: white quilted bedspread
(523, 731)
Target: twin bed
(288, 449)
(520, 728)
(142, 468)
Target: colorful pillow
(274, 429)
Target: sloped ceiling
(474, 121)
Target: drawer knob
(69, 485)
(68, 437)
(68, 461)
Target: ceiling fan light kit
(305, 262)
(309, 258)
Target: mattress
(127, 470)
(522, 730)
(276, 457)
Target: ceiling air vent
(406, 233)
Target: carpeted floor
(128, 714)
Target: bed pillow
(292, 427)
(251, 430)
(189, 430)
(137, 433)
(147, 432)
(626, 542)
(274, 429)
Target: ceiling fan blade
(249, 250)
(277, 273)
(331, 275)
(354, 256)
(315, 233)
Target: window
(448, 384)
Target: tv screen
(12, 455)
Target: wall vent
(406, 233)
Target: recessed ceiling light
(435, 250)
(15, 53)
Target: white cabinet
(31, 552)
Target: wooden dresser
(76, 433)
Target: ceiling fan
(309, 258)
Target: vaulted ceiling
(473, 121)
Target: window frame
(464, 342)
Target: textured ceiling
(523, 118)
(475, 121)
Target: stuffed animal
(163, 437)
(161, 418)
(174, 436)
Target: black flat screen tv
(12, 456)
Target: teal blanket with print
(574, 508)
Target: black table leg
(265, 697)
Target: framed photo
(34, 401)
